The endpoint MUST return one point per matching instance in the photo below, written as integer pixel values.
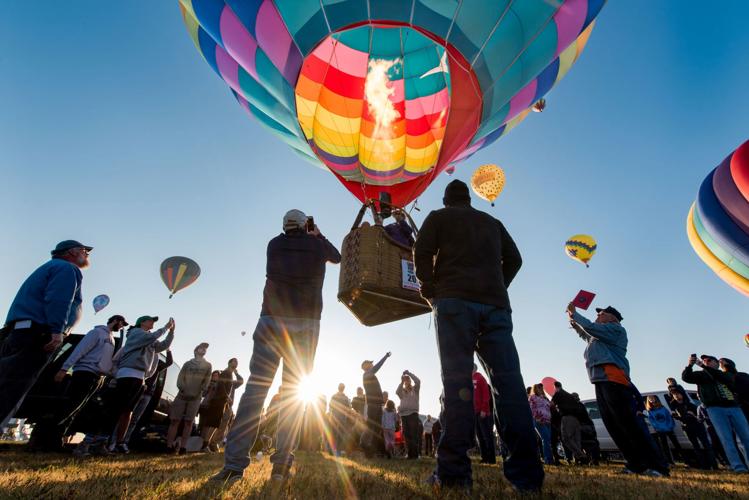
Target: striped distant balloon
(718, 221)
(178, 273)
(386, 94)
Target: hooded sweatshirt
(661, 419)
(93, 353)
(193, 379)
(139, 354)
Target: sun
(308, 389)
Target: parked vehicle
(608, 447)
(46, 396)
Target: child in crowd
(389, 427)
(663, 424)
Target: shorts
(182, 409)
(127, 392)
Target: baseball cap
(202, 344)
(366, 361)
(118, 317)
(140, 320)
(294, 219)
(66, 245)
(708, 356)
(611, 311)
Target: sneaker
(81, 451)
(120, 448)
(280, 473)
(100, 450)
(652, 473)
(227, 476)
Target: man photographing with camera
(288, 329)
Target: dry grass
(320, 476)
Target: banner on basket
(409, 275)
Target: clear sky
(114, 131)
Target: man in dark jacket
(45, 309)
(372, 440)
(288, 329)
(465, 259)
(570, 428)
(740, 383)
(716, 393)
(686, 412)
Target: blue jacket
(661, 419)
(50, 296)
(607, 344)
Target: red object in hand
(584, 299)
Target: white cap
(294, 219)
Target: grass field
(320, 476)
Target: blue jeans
(294, 340)
(465, 327)
(727, 421)
(544, 432)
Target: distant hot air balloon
(178, 273)
(244, 333)
(450, 170)
(581, 247)
(100, 302)
(540, 105)
(746, 339)
(387, 94)
(718, 221)
(548, 383)
(488, 181)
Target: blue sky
(115, 132)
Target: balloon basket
(376, 281)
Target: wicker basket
(372, 281)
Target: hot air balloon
(386, 95)
(244, 333)
(178, 273)
(746, 339)
(450, 170)
(100, 302)
(581, 247)
(487, 182)
(548, 383)
(539, 105)
(718, 221)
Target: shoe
(280, 473)
(227, 476)
(652, 473)
(81, 451)
(182, 451)
(120, 448)
(626, 471)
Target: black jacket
(476, 259)
(714, 386)
(566, 404)
(295, 273)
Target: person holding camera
(408, 392)
(716, 393)
(288, 329)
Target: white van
(608, 448)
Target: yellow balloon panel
(581, 247)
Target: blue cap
(66, 245)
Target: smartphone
(310, 224)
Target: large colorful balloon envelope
(581, 247)
(178, 273)
(487, 182)
(718, 221)
(386, 94)
(100, 302)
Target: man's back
(476, 259)
(295, 272)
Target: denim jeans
(294, 340)
(727, 421)
(544, 432)
(465, 328)
(485, 437)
